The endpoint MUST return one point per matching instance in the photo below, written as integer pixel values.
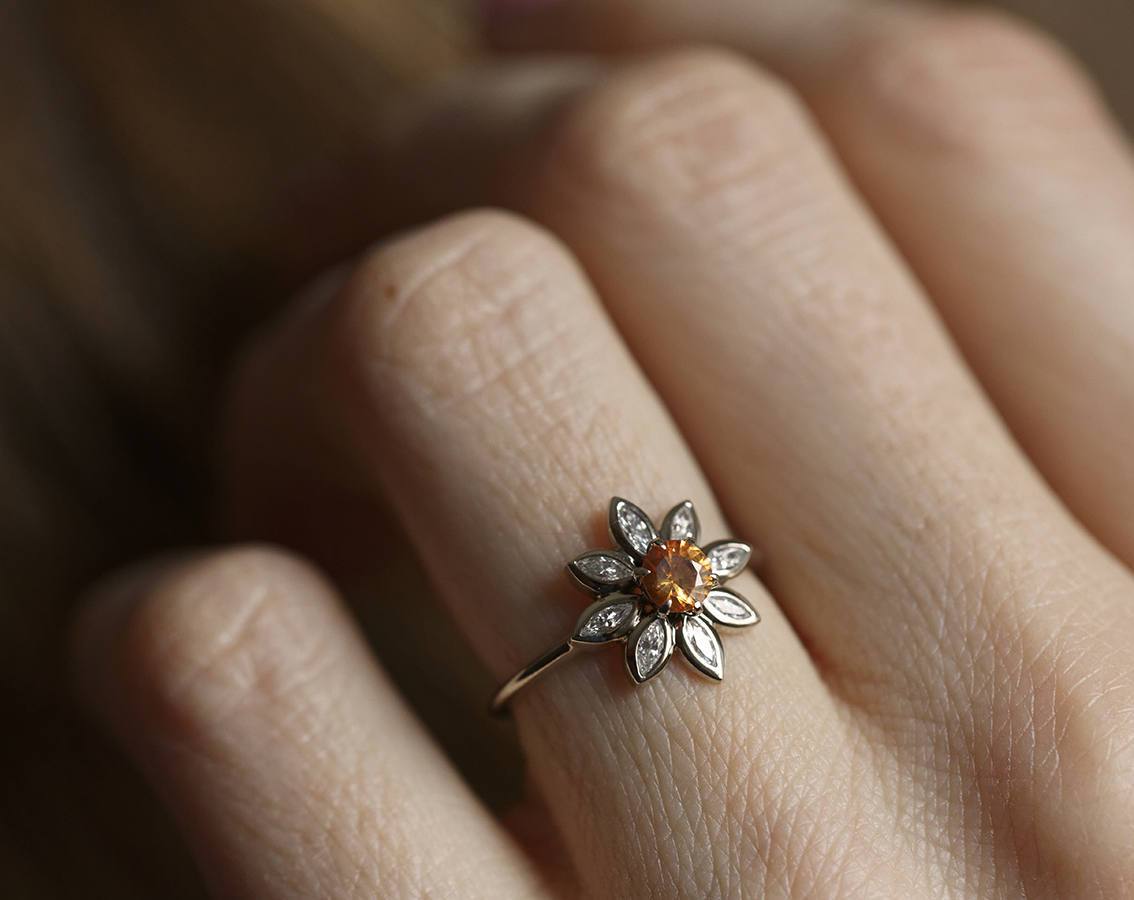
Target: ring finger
(484, 391)
(909, 540)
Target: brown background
(169, 171)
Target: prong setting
(679, 582)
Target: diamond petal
(610, 619)
(602, 570)
(728, 558)
(702, 647)
(631, 528)
(649, 648)
(728, 608)
(681, 523)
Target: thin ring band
(527, 675)
(658, 590)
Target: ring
(657, 591)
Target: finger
(1024, 192)
(240, 687)
(302, 491)
(440, 145)
(1021, 232)
(908, 540)
(782, 31)
(483, 390)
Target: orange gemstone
(680, 575)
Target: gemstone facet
(680, 576)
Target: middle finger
(920, 557)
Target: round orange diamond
(680, 575)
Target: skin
(863, 294)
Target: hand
(939, 700)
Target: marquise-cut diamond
(637, 528)
(728, 559)
(650, 650)
(699, 637)
(607, 620)
(604, 569)
(731, 609)
(681, 526)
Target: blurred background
(169, 173)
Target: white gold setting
(656, 592)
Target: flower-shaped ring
(658, 590)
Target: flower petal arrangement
(660, 590)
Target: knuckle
(684, 127)
(218, 635)
(444, 246)
(977, 80)
(454, 308)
